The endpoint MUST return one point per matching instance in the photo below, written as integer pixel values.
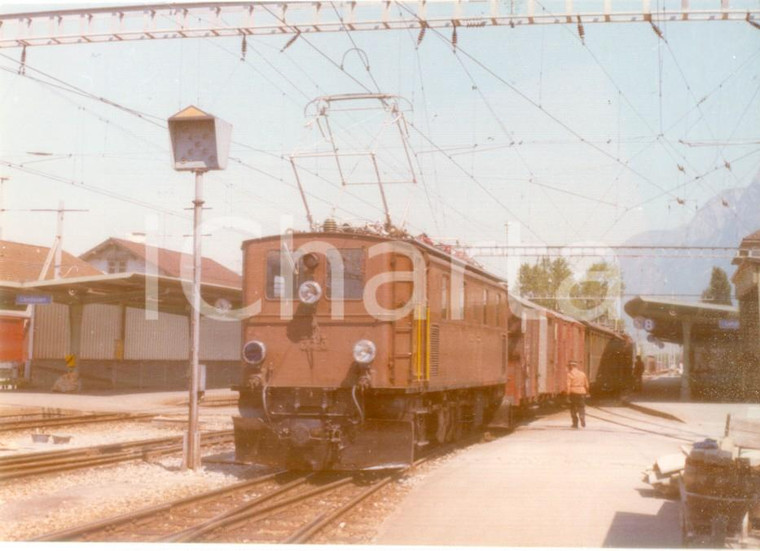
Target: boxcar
(566, 342)
(609, 357)
(542, 342)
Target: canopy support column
(686, 324)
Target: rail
(25, 424)
(177, 521)
(35, 464)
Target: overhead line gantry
(226, 19)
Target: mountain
(722, 222)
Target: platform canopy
(134, 290)
(664, 319)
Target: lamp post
(200, 142)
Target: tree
(593, 287)
(719, 290)
(596, 295)
(539, 282)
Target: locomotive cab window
(277, 278)
(353, 274)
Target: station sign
(728, 324)
(643, 323)
(33, 299)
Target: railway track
(64, 420)
(280, 507)
(283, 507)
(22, 465)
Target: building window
(117, 266)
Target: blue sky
(569, 142)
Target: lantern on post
(200, 142)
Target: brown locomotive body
(414, 353)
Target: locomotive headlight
(309, 292)
(364, 351)
(254, 352)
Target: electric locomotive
(365, 348)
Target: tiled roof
(749, 250)
(169, 262)
(21, 262)
(753, 238)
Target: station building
(127, 328)
(721, 344)
(711, 342)
(746, 280)
(21, 263)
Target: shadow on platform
(646, 531)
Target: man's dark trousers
(578, 409)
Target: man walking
(577, 388)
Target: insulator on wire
(727, 165)
(581, 31)
(22, 66)
(656, 29)
(289, 43)
(454, 38)
(420, 36)
(243, 48)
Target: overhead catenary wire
(532, 102)
(154, 120)
(658, 196)
(411, 125)
(428, 131)
(658, 136)
(278, 71)
(511, 136)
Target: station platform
(661, 398)
(549, 485)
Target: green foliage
(540, 281)
(552, 285)
(719, 290)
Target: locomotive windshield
(353, 274)
(276, 279)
